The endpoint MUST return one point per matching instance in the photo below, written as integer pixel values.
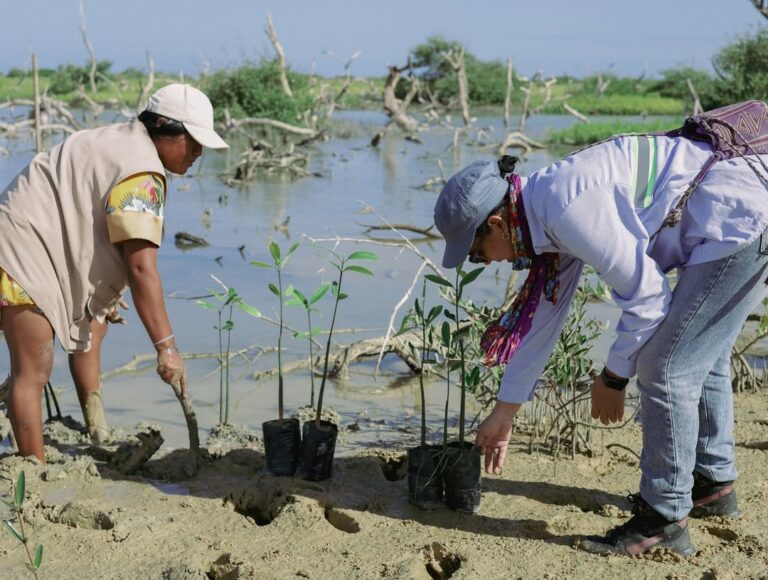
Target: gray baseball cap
(463, 205)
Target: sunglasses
(476, 255)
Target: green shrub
(673, 85)
(67, 78)
(742, 69)
(254, 90)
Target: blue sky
(555, 37)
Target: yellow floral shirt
(135, 209)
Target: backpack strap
(676, 214)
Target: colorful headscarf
(502, 337)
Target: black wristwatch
(615, 383)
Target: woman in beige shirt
(78, 225)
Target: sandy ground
(232, 520)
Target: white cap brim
(206, 137)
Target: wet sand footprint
(341, 521)
(81, 515)
(440, 562)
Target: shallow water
(354, 175)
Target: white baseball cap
(189, 106)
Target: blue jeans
(684, 379)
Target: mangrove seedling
(419, 319)
(278, 264)
(34, 561)
(462, 473)
(425, 485)
(318, 436)
(228, 300)
(299, 299)
(282, 437)
(341, 264)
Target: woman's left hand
(607, 404)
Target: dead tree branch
(762, 7)
(455, 58)
(146, 88)
(508, 95)
(697, 108)
(88, 47)
(270, 30)
(396, 109)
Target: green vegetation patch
(588, 133)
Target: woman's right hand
(171, 368)
(494, 433)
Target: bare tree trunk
(141, 104)
(697, 108)
(456, 59)
(38, 139)
(396, 109)
(762, 7)
(88, 47)
(508, 96)
(280, 56)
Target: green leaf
(21, 483)
(445, 334)
(205, 304)
(274, 249)
(299, 296)
(362, 255)
(300, 334)
(248, 309)
(450, 315)
(14, 531)
(359, 269)
(228, 325)
(438, 280)
(260, 264)
(434, 313)
(470, 277)
(319, 293)
(274, 289)
(38, 556)
(292, 249)
(417, 308)
(342, 296)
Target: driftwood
(455, 58)
(575, 113)
(272, 35)
(330, 106)
(368, 348)
(426, 232)
(280, 125)
(519, 140)
(762, 7)
(394, 107)
(146, 88)
(88, 47)
(508, 95)
(187, 240)
(697, 108)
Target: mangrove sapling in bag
(319, 436)
(282, 437)
(462, 473)
(425, 478)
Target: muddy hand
(171, 368)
